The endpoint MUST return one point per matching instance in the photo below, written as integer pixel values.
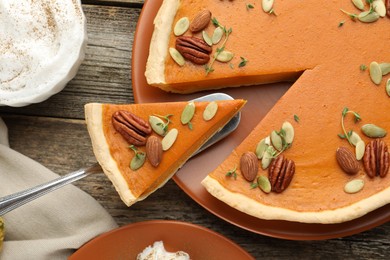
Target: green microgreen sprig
(351, 15)
(285, 145)
(209, 67)
(136, 152)
(356, 16)
(232, 173)
(138, 159)
(167, 119)
(357, 118)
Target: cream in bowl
(42, 45)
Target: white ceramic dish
(42, 45)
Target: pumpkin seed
(264, 184)
(169, 139)
(210, 110)
(373, 131)
(207, 38)
(177, 57)
(354, 138)
(375, 72)
(358, 4)
(267, 5)
(385, 68)
(379, 7)
(354, 186)
(157, 125)
(388, 87)
(224, 56)
(188, 113)
(267, 157)
(217, 35)
(267, 140)
(276, 141)
(137, 161)
(368, 16)
(359, 149)
(289, 132)
(261, 148)
(181, 26)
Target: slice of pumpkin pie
(141, 146)
(328, 170)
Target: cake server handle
(13, 201)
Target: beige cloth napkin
(53, 226)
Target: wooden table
(54, 134)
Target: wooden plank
(104, 75)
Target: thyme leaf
(254, 185)
(296, 118)
(249, 6)
(243, 62)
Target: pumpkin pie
(333, 51)
(134, 144)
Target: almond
(347, 160)
(200, 21)
(154, 150)
(249, 165)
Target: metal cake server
(13, 201)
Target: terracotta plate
(128, 241)
(260, 101)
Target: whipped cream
(42, 44)
(158, 252)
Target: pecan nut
(193, 49)
(376, 158)
(133, 128)
(280, 173)
(387, 4)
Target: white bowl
(42, 44)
